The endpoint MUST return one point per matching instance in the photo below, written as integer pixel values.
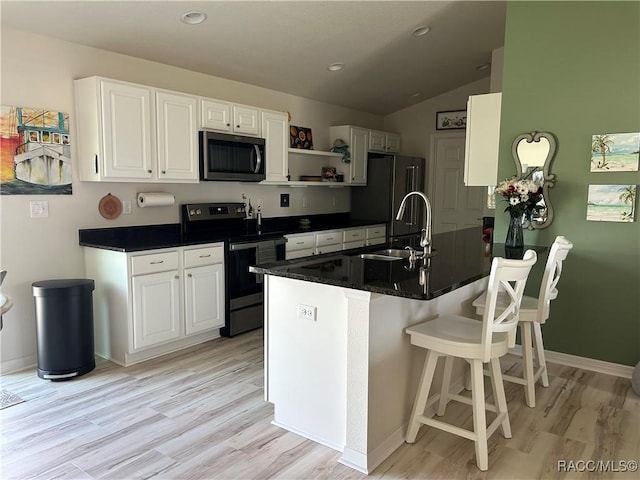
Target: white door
(156, 308)
(275, 131)
(177, 137)
(455, 206)
(204, 297)
(216, 115)
(245, 120)
(127, 127)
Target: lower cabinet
(154, 302)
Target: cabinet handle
(176, 277)
(205, 256)
(299, 243)
(329, 238)
(237, 126)
(163, 172)
(228, 124)
(148, 171)
(157, 262)
(188, 275)
(95, 160)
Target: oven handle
(246, 246)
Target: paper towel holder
(155, 199)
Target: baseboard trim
(591, 364)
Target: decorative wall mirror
(533, 154)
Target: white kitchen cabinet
(376, 234)
(177, 137)
(358, 140)
(156, 308)
(134, 133)
(482, 140)
(229, 117)
(300, 245)
(275, 131)
(153, 302)
(203, 288)
(329, 241)
(383, 142)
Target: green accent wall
(573, 69)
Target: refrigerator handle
(411, 185)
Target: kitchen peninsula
(339, 368)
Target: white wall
(39, 72)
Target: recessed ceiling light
(420, 31)
(484, 66)
(334, 67)
(194, 17)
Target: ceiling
(287, 46)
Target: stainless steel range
(246, 246)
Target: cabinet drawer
(353, 235)
(329, 248)
(353, 244)
(328, 238)
(203, 256)
(376, 232)
(299, 242)
(154, 262)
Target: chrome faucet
(425, 234)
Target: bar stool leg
(479, 414)
(527, 360)
(539, 347)
(500, 397)
(446, 385)
(421, 396)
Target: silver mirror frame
(549, 178)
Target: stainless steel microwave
(231, 157)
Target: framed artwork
(615, 152)
(300, 137)
(611, 203)
(35, 152)
(452, 120)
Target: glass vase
(514, 243)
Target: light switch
(39, 208)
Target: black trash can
(64, 328)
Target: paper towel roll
(155, 199)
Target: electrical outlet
(39, 208)
(284, 200)
(307, 312)
(126, 207)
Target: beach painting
(35, 152)
(611, 203)
(615, 152)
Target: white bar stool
(534, 312)
(453, 336)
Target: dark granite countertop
(462, 257)
(151, 237)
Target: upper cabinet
(229, 117)
(482, 140)
(275, 130)
(358, 140)
(384, 142)
(133, 133)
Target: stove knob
(192, 212)
(198, 212)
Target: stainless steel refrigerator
(389, 179)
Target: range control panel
(213, 211)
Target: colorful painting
(615, 152)
(35, 152)
(611, 203)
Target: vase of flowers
(522, 196)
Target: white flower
(524, 197)
(514, 200)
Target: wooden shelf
(318, 153)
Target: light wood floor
(200, 414)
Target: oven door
(245, 289)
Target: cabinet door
(482, 140)
(393, 143)
(216, 115)
(276, 135)
(358, 165)
(377, 141)
(204, 297)
(245, 120)
(156, 308)
(126, 130)
(177, 137)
